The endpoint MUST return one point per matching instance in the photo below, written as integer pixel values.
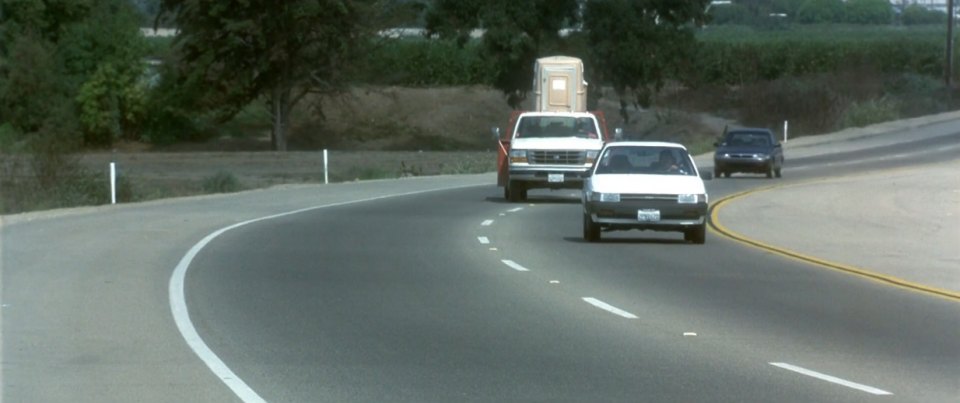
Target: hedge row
(724, 56)
(746, 62)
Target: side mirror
(706, 176)
(618, 133)
(496, 132)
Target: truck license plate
(555, 178)
(648, 215)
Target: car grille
(648, 197)
(562, 157)
(742, 156)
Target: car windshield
(750, 139)
(556, 126)
(645, 160)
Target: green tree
(105, 59)
(820, 12)
(636, 45)
(32, 84)
(868, 12)
(53, 49)
(915, 14)
(243, 50)
(516, 32)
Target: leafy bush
(866, 113)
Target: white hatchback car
(646, 186)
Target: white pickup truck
(548, 150)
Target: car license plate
(555, 178)
(648, 215)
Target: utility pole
(949, 64)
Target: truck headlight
(518, 156)
(591, 157)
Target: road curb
(720, 229)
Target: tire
(506, 192)
(515, 192)
(777, 171)
(769, 171)
(591, 230)
(696, 235)
(717, 173)
(726, 174)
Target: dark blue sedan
(748, 150)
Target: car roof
(645, 144)
(749, 130)
(559, 114)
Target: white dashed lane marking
(831, 379)
(514, 265)
(483, 240)
(609, 308)
(486, 223)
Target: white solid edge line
(483, 240)
(181, 315)
(486, 223)
(514, 265)
(832, 379)
(609, 308)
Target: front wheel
(770, 171)
(697, 235)
(591, 230)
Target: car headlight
(518, 156)
(761, 156)
(691, 198)
(591, 156)
(607, 197)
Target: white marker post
(113, 183)
(326, 175)
(786, 125)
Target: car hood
(556, 143)
(744, 150)
(646, 184)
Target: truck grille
(551, 157)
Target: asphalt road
(459, 296)
(447, 293)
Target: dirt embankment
(375, 133)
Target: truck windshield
(556, 126)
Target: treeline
(734, 56)
(778, 12)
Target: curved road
(455, 295)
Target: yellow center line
(719, 228)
